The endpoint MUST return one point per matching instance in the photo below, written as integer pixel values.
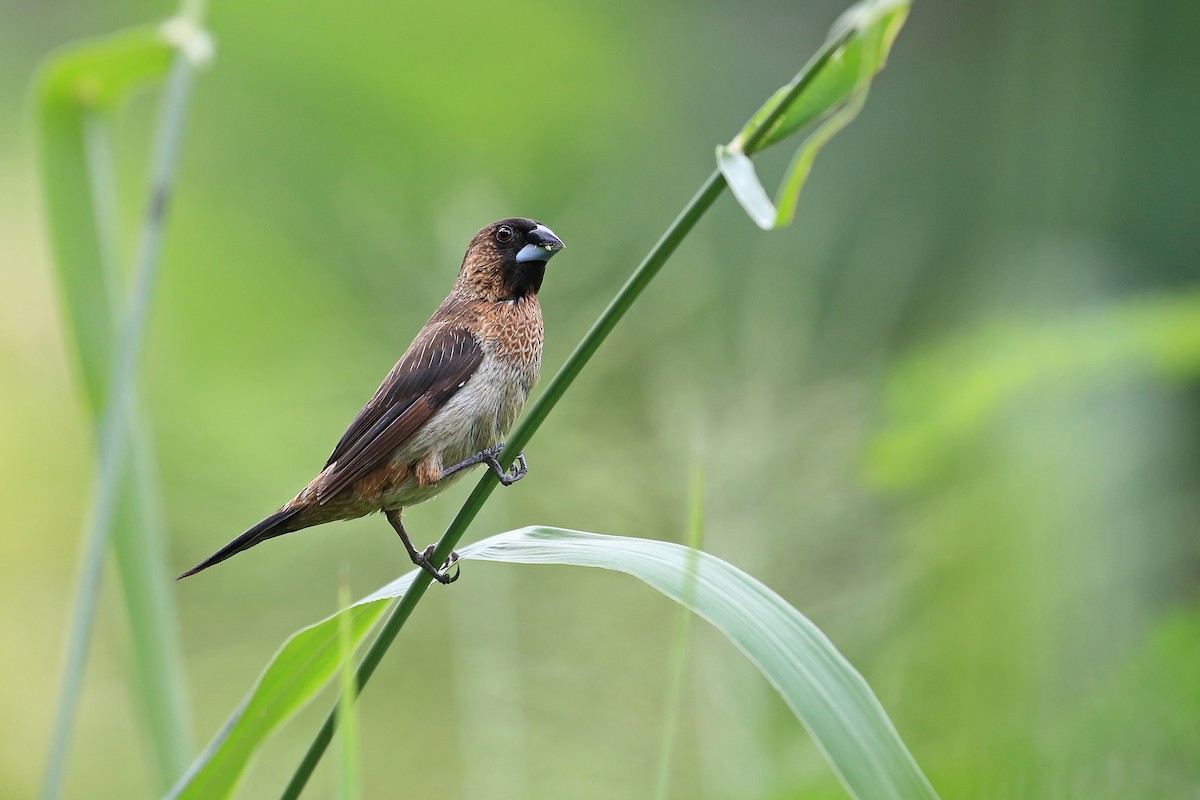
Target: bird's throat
(525, 278)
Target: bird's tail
(274, 525)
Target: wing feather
(427, 375)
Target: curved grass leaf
(797, 172)
(349, 780)
(832, 86)
(830, 698)
(860, 41)
(743, 180)
(306, 663)
(76, 88)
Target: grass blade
(826, 693)
(797, 172)
(306, 663)
(854, 51)
(75, 89)
(349, 786)
(832, 85)
(677, 664)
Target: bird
(444, 407)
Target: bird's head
(507, 259)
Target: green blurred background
(950, 414)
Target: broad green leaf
(305, 664)
(830, 698)
(861, 40)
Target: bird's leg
(488, 457)
(422, 559)
(470, 461)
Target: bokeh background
(951, 414)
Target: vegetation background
(951, 414)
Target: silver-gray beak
(542, 245)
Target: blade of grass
(138, 527)
(138, 535)
(75, 88)
(681, 640)
(797, 172)
(825, 692)
(298, 671)
(854, 51)
(349, 786)
(833, 87)
(751, 139)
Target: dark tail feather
(274, 525)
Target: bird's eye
(504, 234)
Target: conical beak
(542, 245)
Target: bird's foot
(519, 470)
(443, 575)
(488, 456)
(472, 460)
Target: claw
(442, 575)
(519, 470)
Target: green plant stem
(113, 435)
(633, 288)
(603, 326)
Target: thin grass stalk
(646, 271)
(349, 776)
(139, 545)
(681, 639)
(113, 434)
(137, 537)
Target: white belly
(477, 417)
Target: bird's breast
(513, 329)
(484, 408)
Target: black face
(524, 246)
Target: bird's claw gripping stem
(488, 456)
(421, 559)
(519, 470)
(442, 575)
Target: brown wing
(430, 372)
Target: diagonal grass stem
(113, 434)
(562, 380)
